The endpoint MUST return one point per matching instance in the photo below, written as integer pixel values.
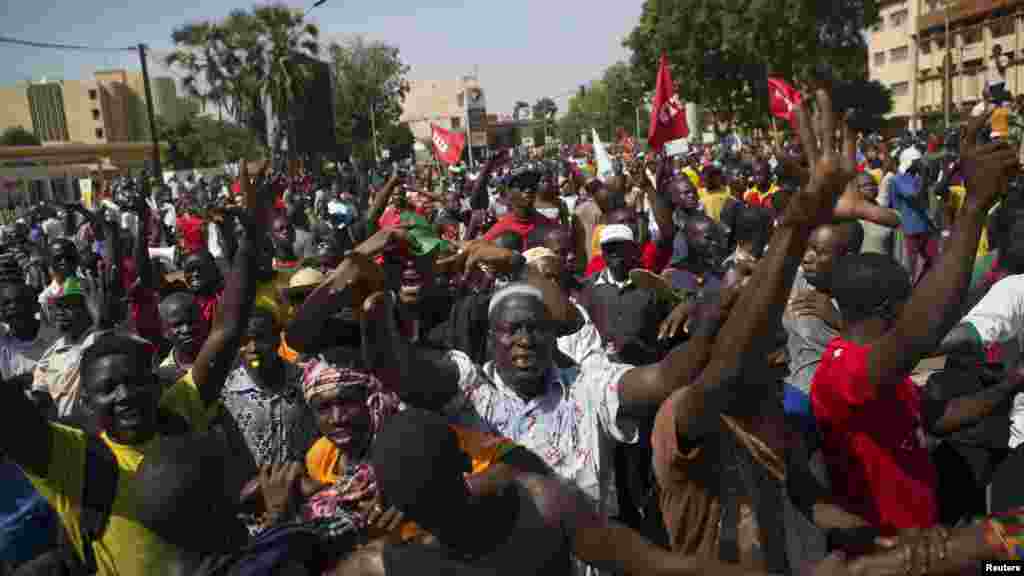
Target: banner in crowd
(447, 145)
(668, 117)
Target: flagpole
(775, 130)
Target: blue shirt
(903, 189)
(27, 523)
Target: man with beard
(700, 269)
(811, 319)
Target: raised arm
(933, 307)
(422, 377)
(479, 199)
(30, 447)
(740, 341)
(215, 358)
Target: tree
(18, 136)
(370, 78)
(203, 142)
(398, 139)
(247, 61)
(721, 51)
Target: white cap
(616, 233)
(908, 157)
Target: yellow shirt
(713, 202)
(957, 195)
(693, 176)
(126, 547)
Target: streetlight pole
(157, 169)
(315, 5)
(947, 87)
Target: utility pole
(947, 87)
(157, 169)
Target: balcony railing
(961, 10)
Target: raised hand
(832, 166)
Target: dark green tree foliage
(18, 136)
(369, 76)
(721, 51)
(205, 142)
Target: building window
(972, 35)
(900, 88)
(925, 46)
(92, 94)
(879, 59)
(940, 42)
(99, 133)
(1002, 27)
(95, 114)
(456, 123)
(898, 18)
(898, 54)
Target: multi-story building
(891, 54)
(445, 103)
(110, 107)
(906, 51)
(974, 28)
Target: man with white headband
(569, 417)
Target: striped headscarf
(340, 506)
(321, 376)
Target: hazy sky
(524, 50)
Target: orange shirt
(483, 450)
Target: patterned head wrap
(340, 507)
(321, 376)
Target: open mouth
(130, 416)
(524, 360)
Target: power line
(9, 40)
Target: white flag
(604, 162)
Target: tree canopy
(370, 76)
(246, 61)
(18, 136)
(202, 142)
(606, 105)
(721, 51)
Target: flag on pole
(604, 162)
(783, 100)
(447, 145)
(668, 118)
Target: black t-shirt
(532, 547)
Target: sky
(521, 50)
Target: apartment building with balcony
(892, 55)
(974, 28)
(110, 107)
(907, 49)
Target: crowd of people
(698, 364)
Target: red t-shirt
(874, 446)
(652, 258)
(515, 224)
(191, 230)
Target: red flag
(447, 145)
(668, 118)
(783, 100)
